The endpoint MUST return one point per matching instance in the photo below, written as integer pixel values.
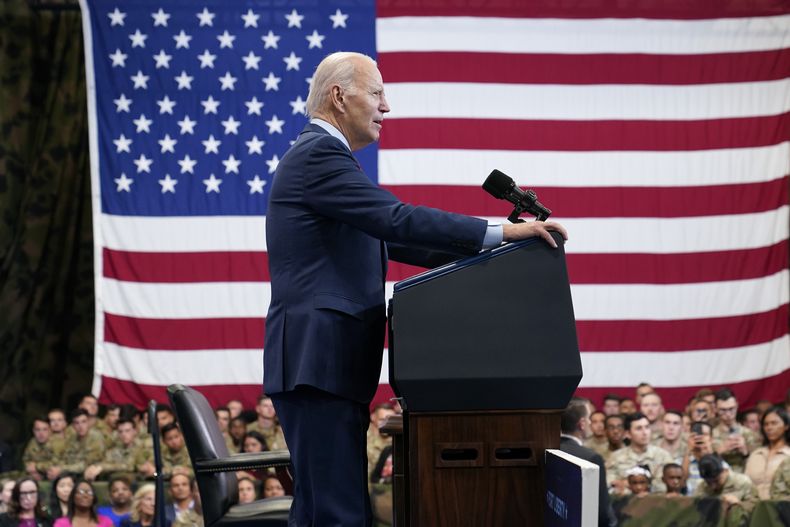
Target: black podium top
(494, 331)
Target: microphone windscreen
(498, 184)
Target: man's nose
(384, 106)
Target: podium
(484, 357)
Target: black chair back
(159, 495)
(218, 490)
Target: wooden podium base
(475, 469)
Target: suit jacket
(329, 233)
(606, 517)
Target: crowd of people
(709, 448)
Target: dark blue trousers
(327, 438)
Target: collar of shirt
(578, 441)
(334, 132)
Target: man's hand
(92, 472)
(521, 231)
(53, 472)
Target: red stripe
(608, 202)
(682, 335)
(748, 393)
(548, 68)
(229, 266)
(503, 134)
(120, 392)
(184, 334)
(699, 9)
(659, 268)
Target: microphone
(502, 186)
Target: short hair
(219, 409)
(696, 427)
(612, 397)
(161, 407)
(749, 411)
(380, 406)
(258, 437)
(630, 418)
(598, 412)
(710, 466)
(41, 419)
(123, 478)
(168, 428)
(571, 415)
(643, 384)
(124, 420)
(77, 412)
(262, 398)
(723, 394)
(674, 412)
(335, 69)
(614, 416)
(670, 466)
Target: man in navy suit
(329, 233)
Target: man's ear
(337, 96)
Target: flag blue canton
(197, 102)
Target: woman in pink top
(82, 509)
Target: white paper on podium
(571, 490)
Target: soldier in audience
(641, 390)
(762, 406)
(375, 441)
(38, 455)
(765, 460)
(180, 495)
(615, 431)
(266, 424)
(164, 415)
(699, 444)
(85, 449)
(235, 407)
(237, 430)
(652, 408)
(720, 482)
(124, 457)
(611, 404)
(60, 432)
(701, 410)
(108, 423)
(639, 452)
(672, 477)
(750, 419)
(175, 458)
(780, 484)
(223, 421)
(706, 394)
(732, 441)
(672, 438)
(597, 441)
(639, 479)
(627, 406)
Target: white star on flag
(210, 105)
(143, 124)
(338, 19)
(231, 125)
(251, 61)
(122, 104)
(160, 18)
(143, 164)
(294, 19)
(206, 17)
(212, 184)
(272, 82)
(275, 125)
(299, 105)
(168, 184)
(124, 183)
(256, 184)
(226, 40)
(168, 144)
(292, 62)
(166, 105)
(315, 40)
(140, 80)
(184, 81)
(162, 59)
(182, 40)
(118, 58)
(250, 19)
(231, 165)
(116, 17)
(211, 145)
(253, 106)
(122, 144)
(187, 125)
(227, 81)
(138, 39)
(207, 59)
(187, 164)
(272, 163)
(254, 145)
(270, 40)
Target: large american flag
(657, 132)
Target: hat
(710, 466)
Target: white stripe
(586, 169)
(195, 367)
(691, 368)
(676, 235)
(680, 301)
(190, 300)
(586, 102)
(675, 301)
(184, 234)
(632, 35)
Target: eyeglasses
(85, 492)
(700, 411)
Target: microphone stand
(529, 203)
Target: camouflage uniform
(626, 458)
(188, 518)
(680, 451)
(58, 442)
(739, 485)
(80, 453)
(229, 443)
(376, 443)
(108, 433)
(599, 446)
(780, 484)
(121, 458)
(170, 460)
(41, 454)
(736, 460)
(275, 440)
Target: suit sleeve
(336, 187)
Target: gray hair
(336, 69)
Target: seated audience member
(720, 482)
(272, 488)
(750, 419)
(247, 492)
(253, 442)
(191, 517)
(120, 506)
(38, 455)
(60, 432)
(6, 488)
(780, 485)
(142, 514)
(59, 495)
(223, 421)
(641, 390)
(764, 461)
(627, 406)
(611, 404)
(762, 406)
(639, 452)
(639, 480)
(672, 439)
(376, 442)
(25, 508)
(164, 415)
(707, 395)
(90, 404)
(615, 432)
(82, 509)
(237, 430)
(672, 476)
(597, 441)
(700, 411)
(267, 425)
(699, 444)
(653, 409)
(175, 458)
(180, 497)
(382, 470)
(84, 449)
(574, 427)
(124, 456)
(731, 441)
(235, 407)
